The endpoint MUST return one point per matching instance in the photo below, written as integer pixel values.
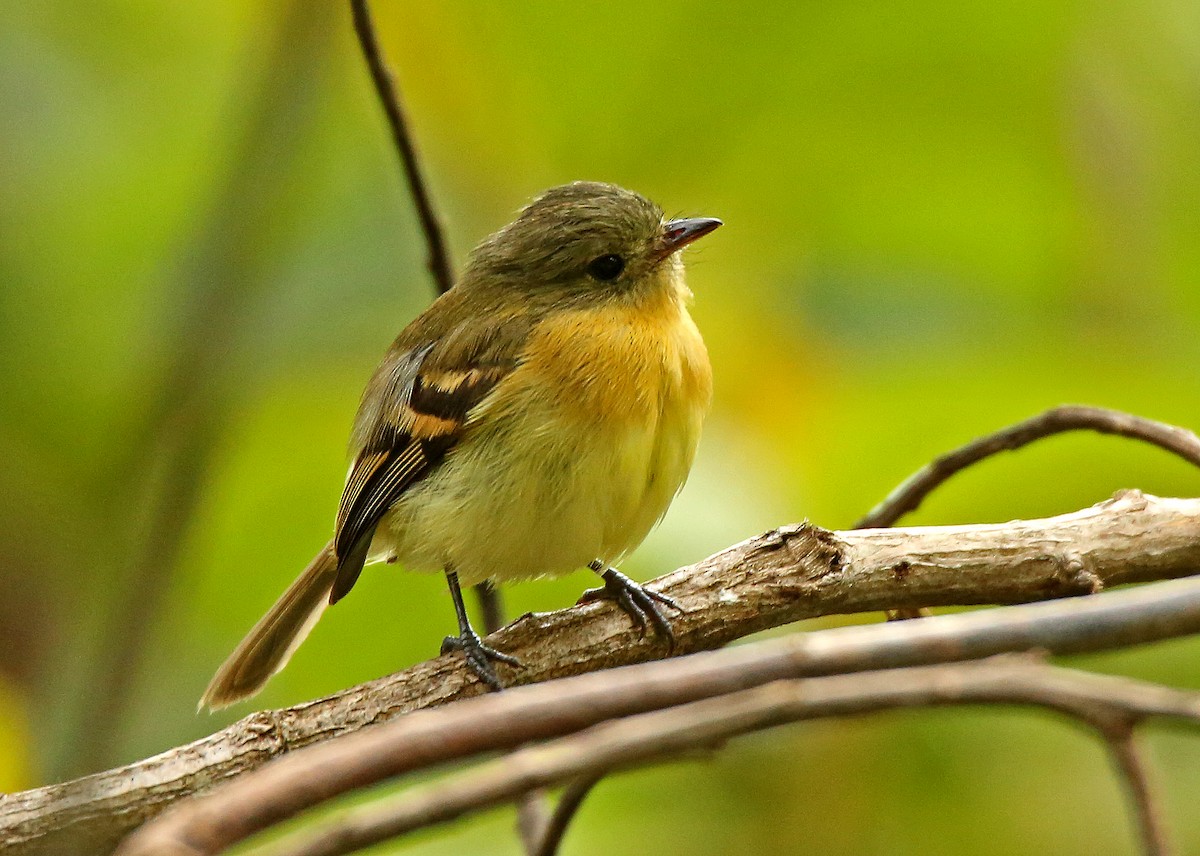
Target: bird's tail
(270, 644)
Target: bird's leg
(638, 601)
(479, 656)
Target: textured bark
(784, 575)
(583, 755)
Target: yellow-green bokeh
(940, 219)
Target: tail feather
(272, 641)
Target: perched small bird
(537, 418)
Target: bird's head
(587, 240)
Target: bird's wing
(413, 412)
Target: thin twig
(782, 576)
(532, 808)
(531, 811)
(564, 812)
(301, 779)
(389, 96)
(652, 736)
(491, 606)
(436, 246)
(1071, 417)
(1122, 743)
(913, 491)
(908, 496)
(533, 817)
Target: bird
(537, 418)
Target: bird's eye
(606, 268)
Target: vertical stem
(389, 96)
(440, 265)
(568, 805)
(491, 605)
(1128, 757)
(531, 809)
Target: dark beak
(677, 234)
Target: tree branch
(909, 495)
(437, 248)
(439, 262)
(1068, 417)
(506, 720)
(564, 812)
(531, 812)
(782, 576)
(1122, 745)
(652, 736)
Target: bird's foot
(480, 657)
(639, 602)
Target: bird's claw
(480, 657)
(639, 602)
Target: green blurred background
(940, 219)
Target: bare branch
(252, 802)
(533, 818)
(909, 495)
(564, 812)
(437, 248)
(532, 809)
(1122, 743)
(782, 576)
(532, 815)
(389, 97)
(1072, 417)
(651, 736)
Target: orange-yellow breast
(574, 456)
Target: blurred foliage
(940, 219)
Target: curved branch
(1068, 417)
(208, 824)
(782, 576)
(564, 812)
(908, 496)
(437, 248)
(1123, 746)
(389, 97)
(648, 737)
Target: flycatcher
(537, 418)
